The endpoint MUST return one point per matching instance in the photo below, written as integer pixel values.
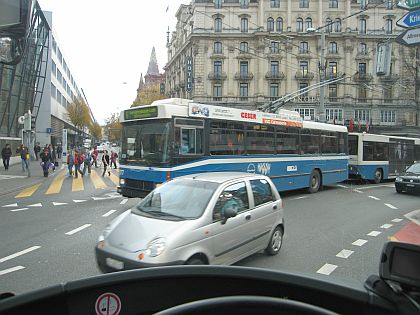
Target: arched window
(270, 24)
(362, 26)
(363, 50)
(333, 48)
(279, 24)
(338, 25)
(308, 23)
(244, 25)
(388, 26)
(329, 25)
(299, 25)
(217, 24)
(303, 47)
(217, 48)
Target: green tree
(79, 114)
(114, 127)
(148, 95)
(95, 130)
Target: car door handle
(248, 217)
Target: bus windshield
(145, 143)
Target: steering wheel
(245, 304)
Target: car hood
(411, 176)
(134, 232)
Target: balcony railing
(274, 75)
(333, 75)
(304, 75)
(389, 78)
(244, 76)
(217, 75)
(362, 77)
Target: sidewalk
(15, 179)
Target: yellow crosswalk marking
(115, 179)
(97, 180)
(55, 186)
(77, 184)
(28, 191)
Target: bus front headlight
(122, 181)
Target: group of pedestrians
(83, 161)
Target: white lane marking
(22, 252)
(21, 209)
(386, 226)
(374, 233)
(414, 216)
(327, 269)
(11, 205)
(358, 191)
(124, 201)
(342, 186)
(36, 205)
(3, 272)
(360, 242)
(374, 198)
(396, 220)
(77, 201)
(301, 197)
(59, 203)
(78, 229)
(109, 213)
(375, 186)
(105, 198)
(345, 253)
(390, 206)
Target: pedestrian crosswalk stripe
(115, 179)
(11, 176)
(55, 186)
(28, 191)
(77, 184)
(97, 181)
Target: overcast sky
(107, 44)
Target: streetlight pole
(322, 69)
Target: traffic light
(33, 122)
(162, 89)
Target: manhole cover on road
(414, 216)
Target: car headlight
(122, 181)
(156, 247)
(399, 179)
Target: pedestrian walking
(87, 162)
(6, 153)
(95, 154)
(59, 151)
(114, 157)
(37, 150)
(105, 163)
(77, 162)
(46, 160)
(24, 156)
(70, 163)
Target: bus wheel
(378, 176)
(314, 182)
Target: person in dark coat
(105, 163)
(37, 150)
(6, 153)
(45, 158)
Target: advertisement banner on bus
(227, 113)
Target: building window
(53, 68)
(274, 68)
(217, 68)
(363, 4)
(244, 25)
(328, 25)
(243, 47)
(303, 65)
(388, 116)
(332, 114)
(243, 91)
(362, 115)
(333, 3)
(306, 113)
(362, 70)
(279, 24)
(337, 25)
(332, 70)
(59, 56)
(299, 25)
(333, 48)
(332, 92)
(54, 45)
(217, 24)
(244, 4)
(388, 26)
(217, 92)
(303, 86)
(362, 94)
(363, 49)
(303, 47)
(274, 91)
(308, 23)
(53, 91)
(362, 26)
(217, 48)
(243, 68)
(389, 4)
(387, 94)
(59, 76)
(270, 24)
(218, 4)
(275, 3)
(303, 3)
(275, 47)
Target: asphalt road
(49, 238)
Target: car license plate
(113, 263)
(410, 185)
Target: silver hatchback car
(209, 218)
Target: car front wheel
(276, 240)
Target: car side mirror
(229, 213)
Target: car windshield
(180, 199)
(415, 168)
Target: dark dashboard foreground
(151, 290)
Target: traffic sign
(409, 37)
(410, 20)
(409, 4)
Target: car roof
(219, 177)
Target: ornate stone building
(152, 76)
(246, 53)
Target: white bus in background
(376, 157)
(87, 143)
